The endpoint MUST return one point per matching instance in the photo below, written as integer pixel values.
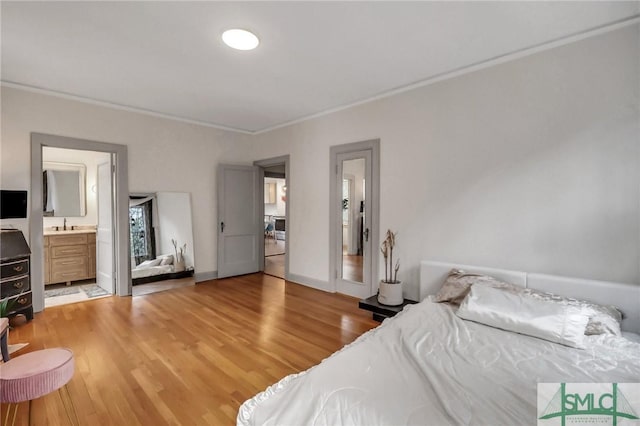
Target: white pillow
(166, 260)
(603, 319)
(149, 263)
(564, 324)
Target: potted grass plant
(7, 308)
(390, 290)
(178, 264)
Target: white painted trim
(310, 282)
(466, 69)
(111, 105)
(205, 276)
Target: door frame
(121, 189)
(262, 164)
(335, 207)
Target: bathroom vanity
(69, 256)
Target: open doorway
(275, 214)
(76, 205)
(115, 180)
(275, 223)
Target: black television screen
(13, 204)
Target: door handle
(221, 226)
(366, 234)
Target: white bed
(427, 366)
(151, 271)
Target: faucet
(64, 228)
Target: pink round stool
(32, 375)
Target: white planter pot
(390, 294)
(179, 265)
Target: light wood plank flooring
(274, 257)
(156, 286)
(274, 265)
(187, 356)
(352, 267)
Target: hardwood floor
(187, 356)
(273, 246)
(352, 267)
(274, 265)
(274, 257)
(154, 287)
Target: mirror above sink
(64, 190)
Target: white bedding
(151, 271)
(428, 367)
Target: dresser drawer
(68, 269)
(67, 240)
(15, 268)
(91, 238)
(18, 302)
(66, 251)
(14, 286)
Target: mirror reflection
(353, 186)
(161, 237)
(63, 189)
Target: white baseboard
(310, 282)
(205, 276)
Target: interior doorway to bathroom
(114, 268)
(77, 225)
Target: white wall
(164, 155)
(532, 165)
(90, 159)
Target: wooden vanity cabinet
(69, 257)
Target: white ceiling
(167, 57)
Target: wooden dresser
(15, 273)
(69, 256)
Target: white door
(104, 235)
(239, 229)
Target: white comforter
(151, 271)
(428, 367)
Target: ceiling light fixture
(240, 39)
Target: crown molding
(120, 107)
(496, 60)
(466, 69)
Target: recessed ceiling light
(240, 39)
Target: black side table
(380, 311)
